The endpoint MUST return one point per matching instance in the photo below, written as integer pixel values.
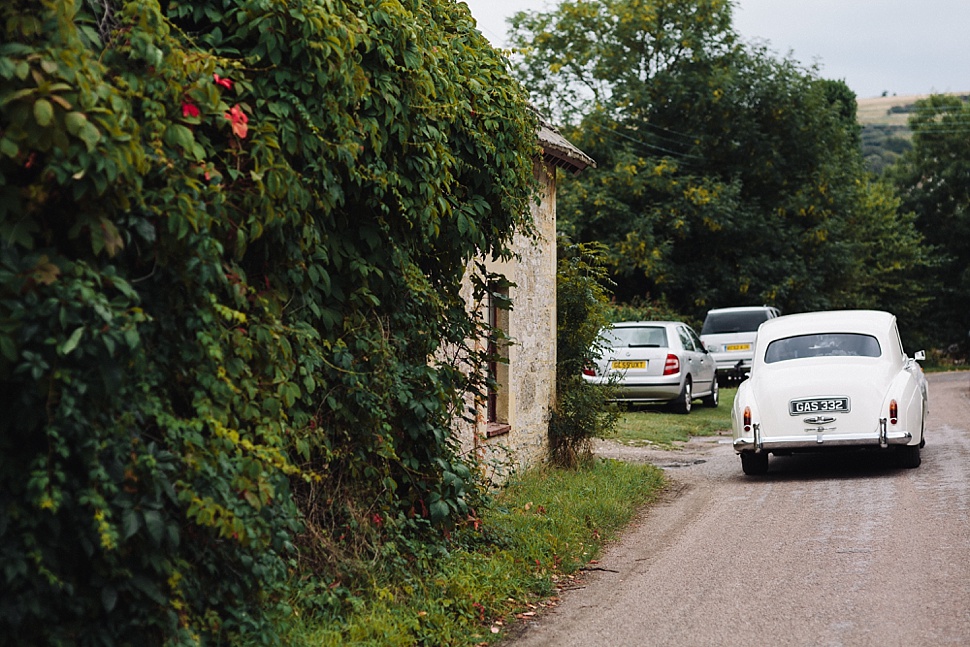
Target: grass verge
(652, 425)
(543, 527)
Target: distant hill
(885, 128)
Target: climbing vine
(232, 240)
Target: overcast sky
(897, 46)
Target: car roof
(741, 309)
(873, 322)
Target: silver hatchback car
(656, 361)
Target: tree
(725, 175)
(590, 54)
(933, 179)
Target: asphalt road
(824, 550)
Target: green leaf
(130, 523)
(8, 147)
(74, 122)
(43, 112)
(439, 511)
(90, 135)
(71, 342)
(8, 348)
(155, 525)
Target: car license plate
(731, 347)
(623, 365)
(815, 405)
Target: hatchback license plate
(731, 347)
(816, 405)
(621, 365)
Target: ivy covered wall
(232, 236)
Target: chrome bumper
(757, 442)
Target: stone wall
(520, 439)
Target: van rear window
(718, 323)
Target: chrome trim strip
(761, 443)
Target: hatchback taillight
(591, 372)
(747, 418)
(893, 412)
(672, 365)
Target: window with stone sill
(497, 413)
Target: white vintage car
(830, 379)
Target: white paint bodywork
(869, 383)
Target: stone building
(512, 423)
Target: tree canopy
(726, 175)
(232, 237)
(933, 178)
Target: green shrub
(644, 310)
(232, 234)
(582, 410)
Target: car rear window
(822, 345)
(646, 336)
(718, 323)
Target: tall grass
(544, 526)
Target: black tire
(909, 456)
(685, 400)
(715, 397)
(754, 464)
(922, 431)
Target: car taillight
(672, 365)
(893, 412)
(747, 418)
(589, 371)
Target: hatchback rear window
(718, 323)
(645, 337)
(822, 345)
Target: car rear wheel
(922, 429)
(909, 456)
(754, 464)
(715, 396)
(685, 400)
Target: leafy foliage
(645, 310)
(232, 238)
(933, 179)
(586, 55)
(882, 145)
(726, 176)
(582, 412)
